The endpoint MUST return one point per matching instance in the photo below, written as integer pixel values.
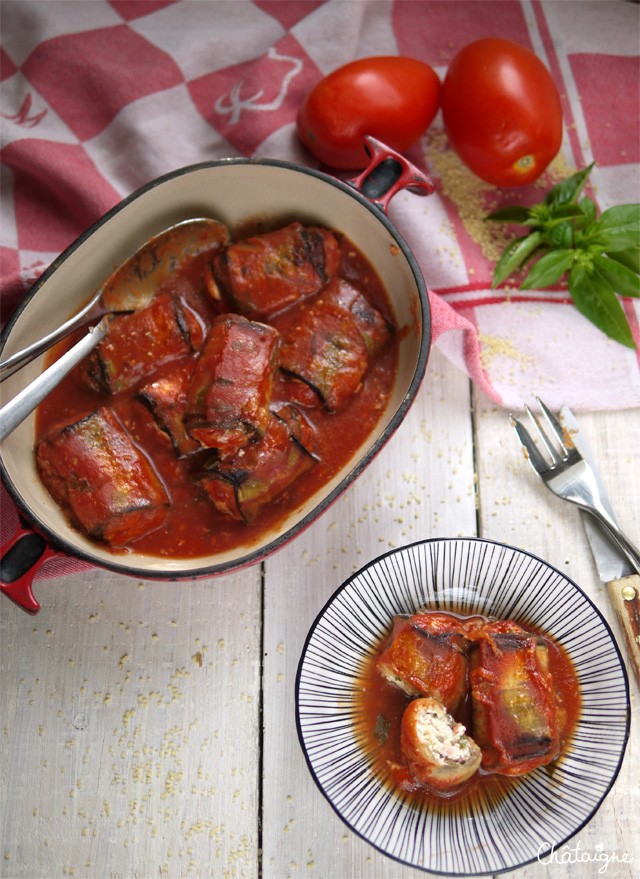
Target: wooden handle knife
(625, 598)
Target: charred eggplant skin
(138, 343)
(229, 396)
(427, 655)
(330, 348)
(264, 274)
(240, 485)
(166, 399)
(102, 479)
(515, 707)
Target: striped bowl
(465, 576)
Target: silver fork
(568, 475)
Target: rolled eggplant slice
(435, 748)
(330, 347)
(299, 427)
(264, 274)
(102, 480)
(372, 326)
(263, 469)
(427, 654)
(230, 391)
(166, 399)
(515, 707)
(138, 343)
(327, 352)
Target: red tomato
(391, 98)
(501, 111)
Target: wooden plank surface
(148, 728)
(130, 729)
(402, 497)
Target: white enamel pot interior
(233, 191)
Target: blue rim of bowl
(464, 540)
(252, 557)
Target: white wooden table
(148, 729)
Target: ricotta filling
(447, 742)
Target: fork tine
(555, 457)
(532, 454)
(554, 424)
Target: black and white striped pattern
(507, 828)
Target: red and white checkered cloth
(98, 98)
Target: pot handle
(20, 558)
(387, 173)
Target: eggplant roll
(427, 654)
(138, 343)
(102, 479)
(230, 391)
(265, 274)
(435, 748)
(515, 709)
(166, 399)
(330, 347)
(371, 325)
(262, 470)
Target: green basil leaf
(566, 212)
(515, 253)
(588, 208)
(623, 280)
(600, 254)
(569, 189)
(382, 729)
(629, 258)
(515, 214)
(561, 235)
(549, 269)
(618, 228)
(596, 300)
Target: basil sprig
(599, 254)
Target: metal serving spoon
(23, 404)
(130, 288)
(132, 285)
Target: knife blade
(615, 570)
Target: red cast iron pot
(232, 191)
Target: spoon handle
(23, 404)
(26, 355)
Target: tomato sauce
(378, 712)
(194, 527)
